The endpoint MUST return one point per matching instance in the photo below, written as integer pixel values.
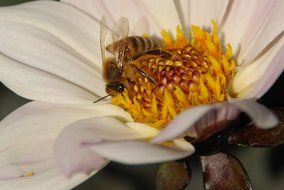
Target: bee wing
(107, 36)
(122, 29)
(123, 25)
(110, 35)
(103, 35)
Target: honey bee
(123, 50)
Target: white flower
(49, 53)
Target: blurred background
(265, 166)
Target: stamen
(197, 73)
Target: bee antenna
(122, 96)
(101, 99)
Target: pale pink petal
(108, 137)
(45, 35)
(39, 85)
(197, 119)
(50, 179)
(203, 11)
(52, 117)
(165, 12)
(271, 75)
(18, 160)
(61, 21)
(254, 79)
(140, 152)
(27, 139)
(34, 127)
(204, 117)
(259, 114)
(200, 12)
(31, 166)
(244, 20)
(140, 18)
(266, 26)
(77, 136)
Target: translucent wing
(123, 25)
(121, 31)
(110, 35)
(103, 35)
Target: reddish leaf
(173, 176)
(223, 171)
(253, 136)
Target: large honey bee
(123, 50)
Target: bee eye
(120, 87)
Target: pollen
(197, 72)
(28, 174)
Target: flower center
(198, 72)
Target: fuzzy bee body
(124, 50)
(133, 46)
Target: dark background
(264, 165)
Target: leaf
(12, 2)
(224, 171)
(173, 175)
(252, 136)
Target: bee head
(114, 88)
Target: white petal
(27, 138)
(20, 159)
(266, 26)
(71, 26)
(38, 85)
(50, 179)
(165, 12)
(107, 137)
(270, 76)
(79, 135)
(254, 79)
(143, 129)
(41, 123)
(36, 159)
(46, 36)
(196, 119)
(200, 119)
(139, 152)
(246, 19)
(262, 117)
(140, 18)
(201, 12)
(35, 117)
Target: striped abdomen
(133, 45)
(139, 44)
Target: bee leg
(122, 95)
(142, 73)
(163, 53)
(159, 52)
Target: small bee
(124, 50)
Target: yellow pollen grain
(28, 174)
(198, 72)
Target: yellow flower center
(198, 72)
